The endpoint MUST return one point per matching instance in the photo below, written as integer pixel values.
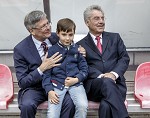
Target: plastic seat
(142, 85)
(6, 86)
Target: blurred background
(130, 18)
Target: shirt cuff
(41, 73)
(100, 76)
(114, 73)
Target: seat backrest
(142, 79)
(6, 83)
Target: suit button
(103, 61)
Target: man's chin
(100, 30)
(48, 35)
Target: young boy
(67, 77)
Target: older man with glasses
(30, 62)
(108, 60)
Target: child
(67, 77)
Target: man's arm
(27, 73)
(123, 58)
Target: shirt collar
(61, 45)
(95, 36)
(38, 43)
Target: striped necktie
(45, 47)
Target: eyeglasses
(44, 26)
(96, 19)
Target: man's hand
(53, 97)
(82, 50)
(69, 81)
(51, 62)
(109, 75)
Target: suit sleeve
(26, 77)
(123, 58)
(46, 82)
(94, 72)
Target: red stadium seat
(6, 86)
(142, 85)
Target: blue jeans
(77, 94)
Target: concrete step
(133, 105)
(129, 75)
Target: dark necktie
(45, 47)
(99, 46)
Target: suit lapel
(105, 40)
(33, 50)
(91, 44)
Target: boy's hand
(53, 97)
(69, 81)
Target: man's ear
(87, 22)
(31, 31)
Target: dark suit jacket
(113, 58)
(26, 62)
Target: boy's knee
(82, 105)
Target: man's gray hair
(32, 18)
(88, 10)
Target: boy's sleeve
(83, 68)
(46, 82)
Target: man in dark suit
(105, 83)
(30, 63)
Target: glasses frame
(43, 27)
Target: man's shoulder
(24, 42)
(82, 40)
(53, 38)
(110, 33)
(54, 48)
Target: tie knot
(45, 47)
(98, 38)
(43, 44)
(99, 46)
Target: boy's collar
(63, 46)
